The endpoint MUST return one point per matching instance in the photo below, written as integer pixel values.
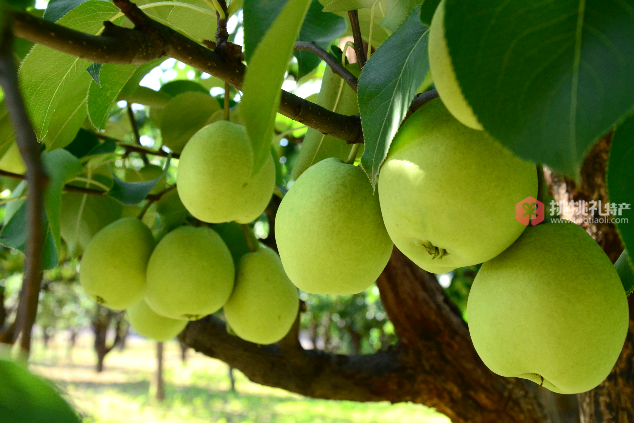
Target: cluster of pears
(446, 198)
(190, 273)
(547, 304)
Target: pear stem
(252, 242)
(353, 154)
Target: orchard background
(99, 97)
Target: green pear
(27, 398)
(214, 176)
(337, 96)
(264, 303)
(551, 309)
(190, 274)
(443, 73)
(83, 216)
(329, 230)
(151, 325)
(448, 193)
(112, 269)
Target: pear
(27, 398)
(551, 309)
(329, 230)
(448, 193)
(112, 269)
(190, 274)
(214, 176)
(151, 325)
(264, 303)
(444, 75)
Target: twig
(37, 180)
(150, 40)
(154, 198)
(358, 39)
(135, 130)
(79, 190)
(330, 60)
(419, 100)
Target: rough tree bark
(612, 400)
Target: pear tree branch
(150, 40)
(37, 180)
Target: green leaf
(321, 28)
(102, 96)
(69, 115)
(132, 193)
(346, 5)
(265, 75)
(427, 10)
(58, 8)
(14, 235)
(620, 180)
(61, 166)
(625, 269)
(7, 132)
(548, 79)
(171, 209)
(198, 25)
(94, 70)
(47, 74)
(258, 16)
(27, 398)
(183, 116)
(387, 86)
(83, 142)
(398, 12)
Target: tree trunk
(72, 341)
(184, 349)
(232, 379)
(159, 383)
(100, 324)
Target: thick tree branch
(433, 364)
(150, 40)
(330, 60)
(37, 180)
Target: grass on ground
(196, 392)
